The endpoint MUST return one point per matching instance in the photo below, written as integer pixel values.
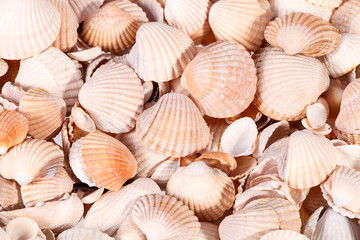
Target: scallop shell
(10, 196)
(161, 52)
(276, 150)
(86, 55)
(81, 122)
(162, 217)
(113, 96)
(241, 20)
(13, 129)
(208, 231)
(4, 67)
(303, 33)
(207, 191)
(24, 228)
(178, 113)
(152, 8)
(287, 84)
(346, 17)
(283, 235)
(79, 233)
(133, 9)
(165, 170)
(39, 33)
(83, 8)
(206, 75)
(217, 128)
(44, 111)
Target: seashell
(162, 217)
(12, 92)
(351, 156)
(309, 160)
(86, 55)
(180, 114)
(91, 197)
(44, 190)
(241, 20)
(39, 33)
(283, 235)
(333, 97)
(207, 191)
(346, 17)
(276, 150)
(113, 96)
(345, 57)
(129, 230)
(245, 165)
(110, 28)
(217, 128)
(208, 231)
(83, 8)
(309, 226)
(239, 138)
(219, 160)
(31, 160)
(4, 67)
(314, 200)
(45, 112)
(205, 76)
(279, 75)
(133, 9)
(79, 233)
(68, 213)
(326, 3)
(82, 123)
(266, 167)
(69, 23)
(153, 9)
(49, 234)
(54, 72)
(24, 228)
(12, 71)
(10, 196)
(347, 122)
(95, 64)
(165, 170)
(302, 33)
(316, 119)
(340, 191)
(164, 52)
(111, 210)
(13, 129)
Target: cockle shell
(10, 196)
(83, 8)
(317, 114)
(206, 75)
(31, 160)
(152, 8)
(161, 52)
(78, 233)
(346, 17)
(283, 235)
(287, 84)
(302, 33)
(39, 33)
(81, 123)
(161, 217)
(23, 228)
(268, 166)
(4, 67)
(241, 20)
(133, 9)
(181, 118)
(12, 92)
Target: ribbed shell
(133, 9)
(83, 8)
(153, 9)
(326, 3)
(226, 67)
(161, 217)
(78, 233)
(31, 160)
(161, 52)
(283, 235)
(346, 17)
(10, 196)
(4, 67)
(217, 128)
(287, 84)
(113, 96)
(207, 191)
(173, 126)
(241, 20)
(208, 231)
(44, 112)
(110, 28)
(23, 228)
(27, 27)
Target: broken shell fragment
(220, 160)
(153, 9)
(10, 196)
(86, 55)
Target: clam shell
(86, 55)
(283, 235)
(287, 84)
(161, 217)
(83, 8)
(39, 33)
(309, 226)
(346, 17)
(113, 97)
(208, 231)
(4, 67)
(178, 113)
(133, 9)
(217, 128)
(31, 160)
(207, 191)
(206, 75)
(303, 33)
(24, 228)
(10, 196)
(241, 20)
(161, 52)
(78, 233)
(152, 8)
(45, 113)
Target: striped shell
(133, 9)
(83, 8)
(10, 196)
(153, 9)
(346, 17)
(283, 235)
(23, 228)
(208, 231)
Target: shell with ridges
(10, 196)
(79, 233)
(217, 128)
(346, 17)
(133, 9)
(83, 8)
(24, 228)
(153, 9)
(208, 231)
(86, 55)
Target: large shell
(303, 33)
(287, 84)
(346, 17)
(83, 8)
(10, 196)
(166, 126)
(161, 217)
(241, 20)
(113, 96)
(161, 52)
(283, 235)
(27, 37)
(207, 191)
(78, 233)
(222, 66)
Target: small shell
(217, 128)
(152, 8)
(83, 8)
(23, 228)
(10, 196)
(220, 160)
(4, 67)
(316, 119)
(208, 231)
(303, 33)
(12, 92)
(161, 217)
(205, 76)
(39, 33)
(86, 55)
(78, 233)
(346, 17)
(133, 9)
(283, 235)
(245, 165)
(81, 122)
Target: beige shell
(153, 9)
(78, 233)
(133, 9)
(83, 8)
(86, 55)
(181, 119)
(165, 170)
(31, 160)
(4, 67)
(81, 123)
(287, 84)
(39, 33)
(245, 165)
(241, 20)
(205, 76)
(217, 128)
(207, 191)
(10, 196)
(326, 3)
(275, 150)
(13, 129)
(45, 113)
(129, 230)
(90, 197)
(346, 17)
(303, 33)
(333, 98)
(113, 97)
(24, 228)
(161, 217)
(161, 52)
(283, 235)
(351, 156)
(268, 166)
(96, 63)
(12, 92)
(208, 231)
(220, 160)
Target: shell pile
(180, 120)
